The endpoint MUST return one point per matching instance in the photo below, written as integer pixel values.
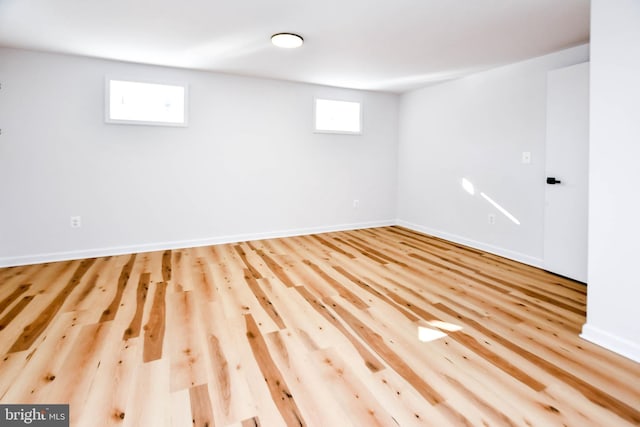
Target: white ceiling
(388, 45)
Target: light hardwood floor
(317, 330)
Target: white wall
(613, 315)
(477, 128)
(247, 166)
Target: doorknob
(551, 180)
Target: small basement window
(144, 103)
(332, 116)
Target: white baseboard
(217, 240)
(516, 256)
(150, 247)
(622, 346)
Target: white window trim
(107, 96)
(339, 132)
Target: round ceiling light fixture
(287, 40)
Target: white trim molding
(160, 246)
(217, 240)
(622, 346)
(506, 253)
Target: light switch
(526, 157)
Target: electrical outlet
(356, 203)
(76, 222)
(492, 219)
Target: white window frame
(331, 131)
(107, 103)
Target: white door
(566, 183)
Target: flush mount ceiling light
(287, 40)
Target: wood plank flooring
(372, 327)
